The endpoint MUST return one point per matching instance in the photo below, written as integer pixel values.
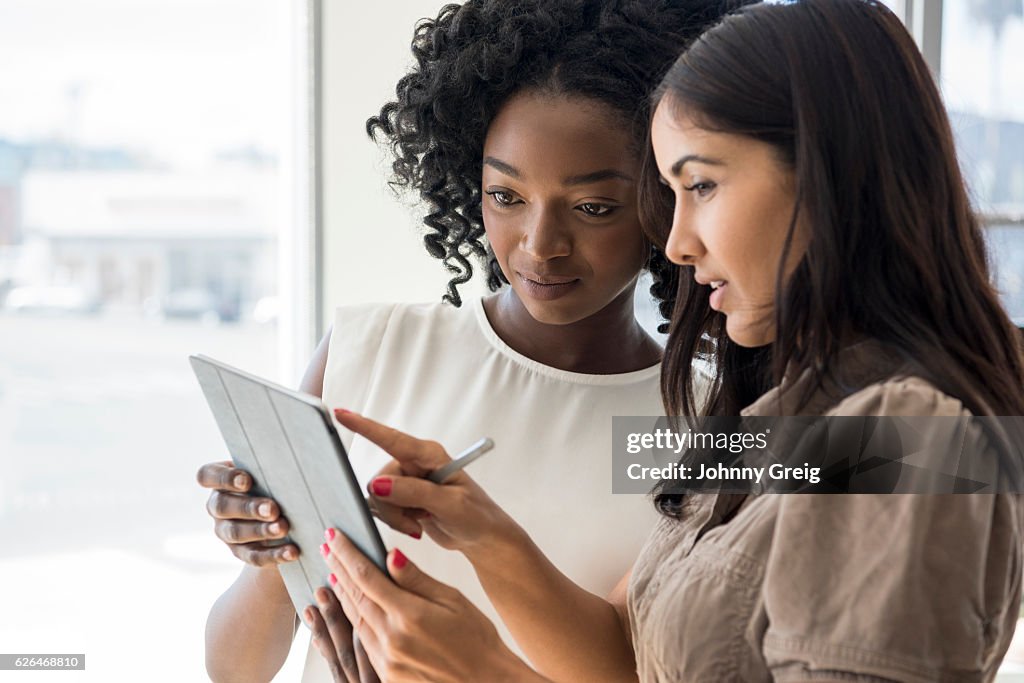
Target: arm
(566, 632)
(251, 626)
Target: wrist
(504, 543)
(508, 668)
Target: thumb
(411, 578)
(419, 494)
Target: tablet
(287, 442)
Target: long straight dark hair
(896, 254)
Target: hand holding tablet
(286, 442)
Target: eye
(502, 198)
(595, 210)
(702, 188)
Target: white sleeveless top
(442, 373)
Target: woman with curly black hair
(520, 128)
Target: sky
(182, 79)
(179, 79)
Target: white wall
(373, 249)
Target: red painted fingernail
(381, 486)
(399, 559)
(417, 535)
(333, 579)
(325, 550)
(329, 534)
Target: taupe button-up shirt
(822, 587)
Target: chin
(556, 312)
(746, 334)
(551, 316)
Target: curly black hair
(471, 58)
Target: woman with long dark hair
(831, 266)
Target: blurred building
(178, 243)
(12, 163)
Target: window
(975, 47)
(146, 202)
(982, 50)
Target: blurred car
(193, 304)
(51, 299)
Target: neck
(608, 342)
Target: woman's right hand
(457, 515)
(246, 523)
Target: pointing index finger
(423, 456)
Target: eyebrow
(678, 166)
(597, 177)
(500, 165)
(581, 179)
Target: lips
(546, 287)
(717, 286)
(714, 283)
(718, 289)
(545, 279)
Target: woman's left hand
(415, 628)
(333, 637)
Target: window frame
(300, 259)
(924, 20)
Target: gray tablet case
(286, 440)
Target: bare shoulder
(313, 379)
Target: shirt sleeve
(907, 587)
(352, 357)
(901, 587)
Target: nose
(683, 246)
(544, 238)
